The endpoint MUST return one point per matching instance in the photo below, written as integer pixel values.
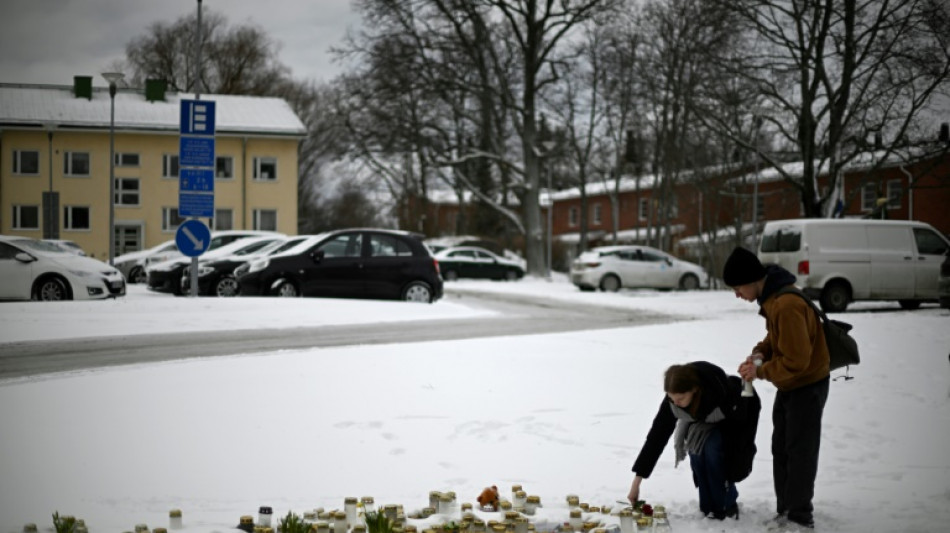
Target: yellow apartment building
(54, 164)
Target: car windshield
(41, 246)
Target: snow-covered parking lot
(557, 413)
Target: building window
(126, 160)
(76, 163)
(643, 213)
(868, 196)
(265, 219)
(223, 220)
(894, 194)
(596, 218)
(26, 162)
(572, 217)
(265, 168)
(170, 219)
(127, 192)
(170, 166)
(760, 207)
(224, 168)
(75, 217)
(26, 217)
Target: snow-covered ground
(558, 413)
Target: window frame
(168, 161)
(228, 158)
(895, 193)
(16, 221)
(69, 217)
(120, 190)
(596, 215)
(868, 196)
(69, 163)
(18, 163)
(643, 209)
(218, 215)
(573, 214)
(167, 214)
(118, 160)
(256, 217)
(258, 163)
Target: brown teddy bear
(489, 498)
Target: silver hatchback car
(610, 268)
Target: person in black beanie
(794, 357)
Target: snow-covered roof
(55, 105)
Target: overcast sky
(50, 41)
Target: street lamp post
(112, 78)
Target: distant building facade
(54, 164)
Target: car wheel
(835, 297)
(944, 302)
(227, 286)
(511, 275)
(909, 305)
(138, 275)
(689, 282)
(610, 283)
(51, 290)
(450, 275)
(286, 289)
(417, 291)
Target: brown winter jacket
(794, 349)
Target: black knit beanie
(741, 268)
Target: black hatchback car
(350, 263)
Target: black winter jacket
(738, 428)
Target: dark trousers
(796, 438)
(716, 495)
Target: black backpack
(740, 430)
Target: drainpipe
(244, 183)
(910, 193)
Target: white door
(931, 250)
(15, 277)
(634, 272)
(892, 262)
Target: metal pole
(194, 260)
(550, 219)
(112, 91)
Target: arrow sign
(193, 238)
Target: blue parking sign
(197, 117)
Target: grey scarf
(691, 434)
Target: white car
(132, 265)
(610, 268)
(32, 269)
(67, 246)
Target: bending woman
(705, 409)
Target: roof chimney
(82, 87)
(155, 90)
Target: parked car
(216, 275)
(37, 270)
(167, 275)
(943, 283)
(67, 246)
(838, 261)
(475, 262)
(349, 263)
(133, 264)
(610, 268)
(437, 244)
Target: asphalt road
(519, 315)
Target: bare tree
(235, 60)
(827, 74)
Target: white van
(839, 261)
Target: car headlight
(257, 266)
(82, 273)
(204, 270)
